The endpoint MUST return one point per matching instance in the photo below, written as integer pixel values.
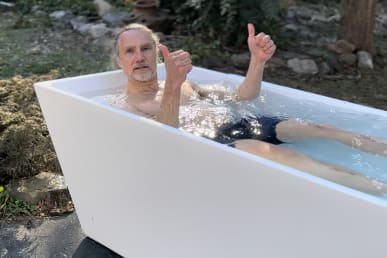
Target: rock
(98, 30)
(275, 62)
(84, 29)
(62, 16)
(348, 59)
(291, 13)
(103, 7)
(305, 13)
(315, 52)
(325, 69)
(57, 14)
(380, 30)
(291, 28)
(324, 19)
(332, 61)
(40, 13)
(325, 42)
(35, 8)
(241, 61)
(343, 46)
(108, 43)
(77, 22)
(6, 5)
(307, 34)
(61, 19)
(38, 49)
(290, 55)
(364, 60)
(115, 31)
(382, 19)
(303, 66)
(37, 11)
(37, 188)
(116, 19)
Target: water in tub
(204, 117)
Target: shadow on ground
(53, 237)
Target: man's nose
(139, 56)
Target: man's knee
(253, 146)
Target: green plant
(226, 20)
(10, 207)
(198, 49)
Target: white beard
(143, 76)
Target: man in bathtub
(137, 50)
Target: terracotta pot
(147, 8)
(145, 4)
(133, 17)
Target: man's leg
(309, 165)
(294, 130)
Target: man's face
(137, 55)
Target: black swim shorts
(257, 128)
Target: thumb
(164, 50)
(251, 29)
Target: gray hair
(136, 26)
(133, 26)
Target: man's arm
(170, 105)
(261, 49)
(178, 65)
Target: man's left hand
(261, 46)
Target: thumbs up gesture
(177, 64)
(261, 46)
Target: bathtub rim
(234, 78)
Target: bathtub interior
(148, 190)
(276, 100)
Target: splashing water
(204, 117)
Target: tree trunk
(357, 23)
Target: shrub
(226, 20)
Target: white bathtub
(147, 190)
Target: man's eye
(129, 51)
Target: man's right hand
(177, 65)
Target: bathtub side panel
(147, 190)
(81, 85)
